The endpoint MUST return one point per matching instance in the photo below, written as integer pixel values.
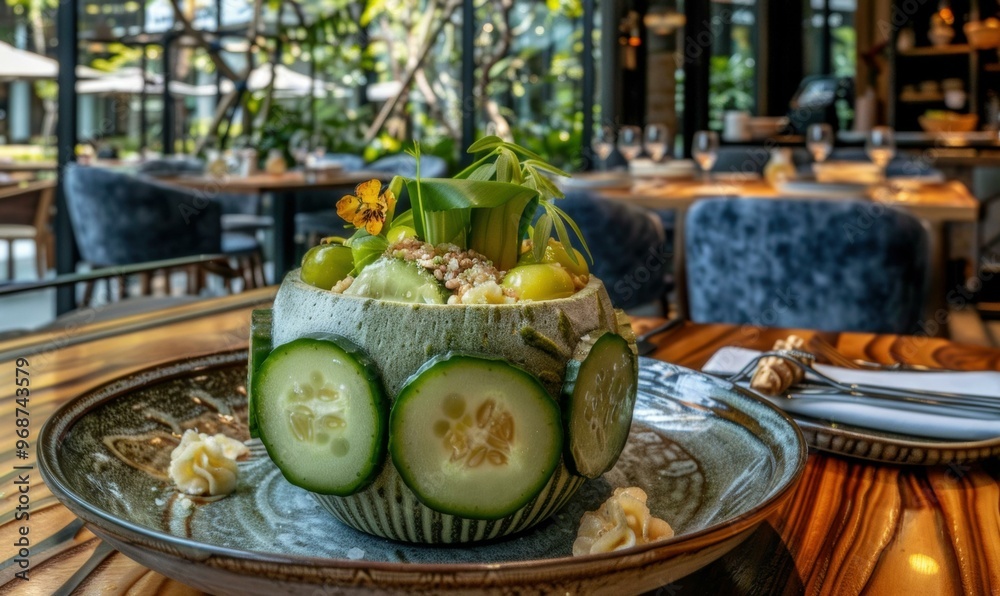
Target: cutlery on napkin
(879, 414)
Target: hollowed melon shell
(539, 337)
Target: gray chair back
(119, 219)
(829, 265)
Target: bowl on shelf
(762, 127)
(948, 122)
(983, 35)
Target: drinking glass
(603, 144)
(881, 147)
(655, 141)
(705, 149)
(819, 141)
(630, 142)
(299, 147)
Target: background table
(939, 204)
(850, 526)
(282, 188)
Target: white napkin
(879, 414)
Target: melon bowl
(400, 338)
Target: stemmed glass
(705, 149)
(630, 142)
(881, 147)
(603, 144)
(819, 141)
(655, 141)
(299, 147)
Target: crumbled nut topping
(459, 270)
(341, 286)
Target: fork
(833, 356)
(949, 401)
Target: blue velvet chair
(119, 219)
(631, 253)
(172, 166)
(831, 265)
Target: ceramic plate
(875, 445)
(597, 180)
(714, 460)
(832, 190)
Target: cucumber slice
(396, 280)
(260, 347)
(474, 437)
(322, 414)
(598, 396)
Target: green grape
(400, 233)
(539, 281)
(326, 264)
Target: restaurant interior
(746, 251)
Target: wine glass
(630, 142)
(603, 144)
(299, 147)
(819, 141)
(705, 149)
(881, 147)
(318, 144)
(655, 141)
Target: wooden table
(282, 188)
(850, 526)
(28, 166)
(938, 204)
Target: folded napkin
(879, 414)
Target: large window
(733, 66)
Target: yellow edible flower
(366, 208)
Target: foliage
(731, 85)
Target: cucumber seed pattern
(317, 413)
(473, 438)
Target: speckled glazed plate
(714, 461)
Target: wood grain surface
(851, 527)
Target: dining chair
(120, 219)
(630, 249)
(844, 265)
(25, 212)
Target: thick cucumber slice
(474, 437)
(396, 280)
(322, 414)
(598, 397)
(260, 347)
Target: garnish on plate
(622, 521)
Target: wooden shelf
(935, 99)
(995, 67)
(952, 50)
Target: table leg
(680, 271)
(283, 212)
(936, 308)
